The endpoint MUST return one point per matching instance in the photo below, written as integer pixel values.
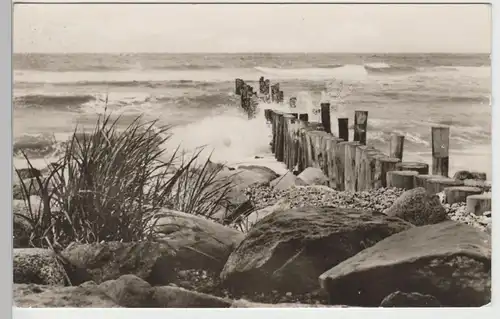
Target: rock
(241, 179)
(242, 303)
(280, 206)
(174, 297)
(286, 250)
(39, 296)
(129, 291)
(313, 176)
(449, 260)
(413, 299)
(260, 170)
(151, 261)
(418, 207)
(463, 175)
(199, 242)
(37, 266)
(286, 181)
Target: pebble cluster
(376, 199)
(209, 282)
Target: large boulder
(449, 260)
(286, 181)
(151, 261)
(413, 299)
(288, 250)
(198, 242)
(39, 296)
(37, 266)
(418, 207)
(313, 176)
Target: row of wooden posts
(250, 98)
(354, 166)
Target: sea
(195, 95)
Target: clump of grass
(110, 184)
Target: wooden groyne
(354, 165)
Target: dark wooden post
(396, 146)
(275, 92)
(344, 128)
(360, 125)
(293, 102)
(281, 97)
(440, 149)
(239, 83)
(325, 117)
(262, 85)
(266, 90)
(304, 117)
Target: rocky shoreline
(299, 248)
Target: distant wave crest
(52, 101)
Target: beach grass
(109, 185)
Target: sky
(64, 28)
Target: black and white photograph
(231, 155)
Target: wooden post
(239, 83)
(304, 117)
(396, 146)
(458, 194)
(340, 165)
(344, 128)
(478, 204)
(360, 126)
(293, 102)
(325, 117)
(421, 180)
(438, 184)
(268, 115)
(421, 168)
(401, 179)
(440, 149)
(275, 92)
(281, 97)
(266, 90)
(383, 165)
(350, 178)
(262, 85)
(280, 140)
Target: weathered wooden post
(239, 83)
(401, 179)
(293, 102)
(384, 164)
(440, 148)
(478, 204)
(459, 194)
(281, 97)
(281, 138)
(268, 115)
(344, 128)
(262, 85)
(396, 146)
(304, 117)
(325, 117)
(421, 168)
(267, 86)
(350, 178)
(275, 88)
(360, 126)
